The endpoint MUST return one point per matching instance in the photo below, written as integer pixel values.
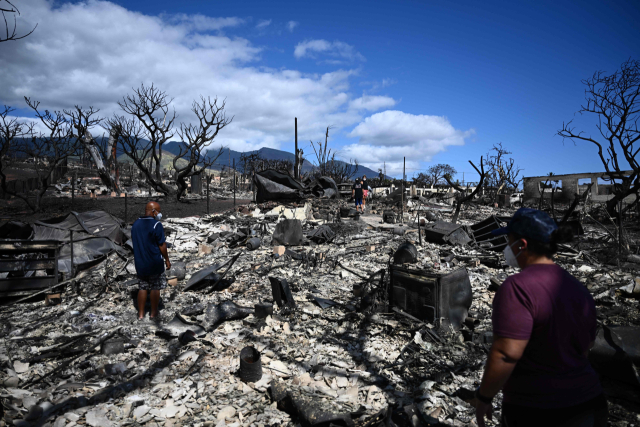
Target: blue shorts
(358, 201)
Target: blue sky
(435, 82)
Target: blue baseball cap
(529, 223)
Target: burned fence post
(73, 188)
(282, 293)
(234, 183)
(208, 179)
(419, 230)
(71, 243)
(619, 231)
(125, 207)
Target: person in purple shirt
(544, 324)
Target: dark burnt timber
(20, 258)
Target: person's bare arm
(504, 354)
(165, 255)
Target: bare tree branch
(461, 198)
(196, 138)
(11, 34)
(615, 100)
(49, 149)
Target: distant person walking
(544, 323)
(365, 192)
(149, 249)
(357, 193)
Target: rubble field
(56, 206)
(302, 291)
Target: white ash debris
(364, 363)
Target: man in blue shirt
(149, 250)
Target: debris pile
(290, 315)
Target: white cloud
(372, 103)
(114, 50)
(203, 23)
(291, 25)
(263, 23)
(392, 135)
(388, 82)
(336, 49)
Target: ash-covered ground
(328, 356)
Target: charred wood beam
(574, 205)
(65, 364)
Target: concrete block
(301, 213)
(370, 248)
(279, 250)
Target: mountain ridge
(228, 156)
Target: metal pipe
(126, 207)
(207, 194)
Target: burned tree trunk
(197, 139)
(615, 100)
(103, 172)
(82, 122)
(461, 200)
(112, 154)
(148, 127)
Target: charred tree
(328, 165)
(9, 10)
(460, 200)
(48, 150)
(615, 100)
(502, 171)
(12, 131)
(323, 153)
(436, 173)
(83, 121)
(342, 171)
(196, 139)
(147, 126)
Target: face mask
(159, 216)
(511, 258)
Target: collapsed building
(293, 310)
(570, 186)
